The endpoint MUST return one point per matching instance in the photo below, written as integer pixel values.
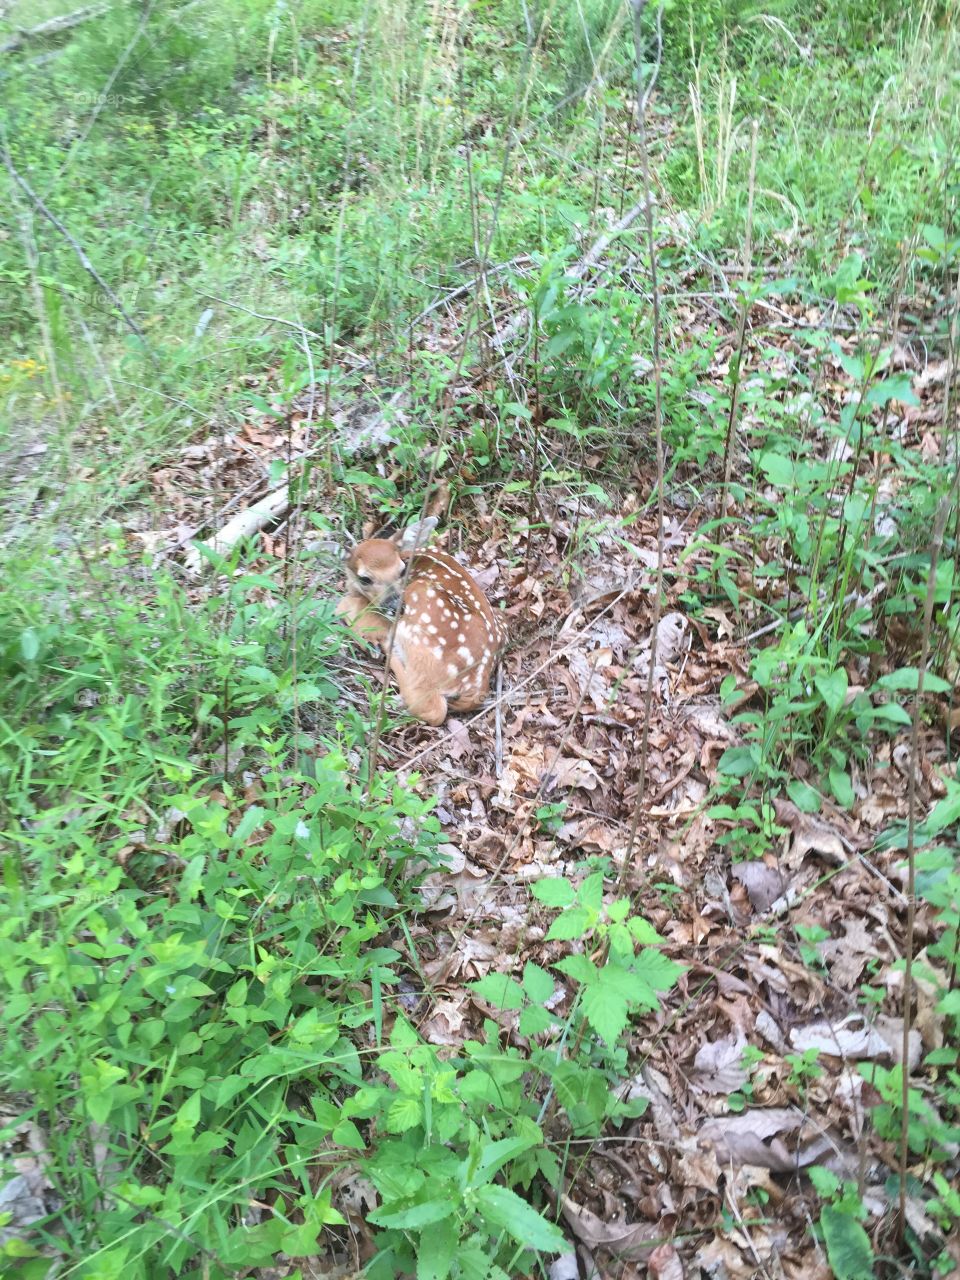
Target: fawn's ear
(415, 536)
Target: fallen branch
(54, 26)
(243, 525)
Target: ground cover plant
(650, 967)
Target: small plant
(847, 1243)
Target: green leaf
(535, 1020)
(500, 990)
(436, 1250)
(737, 762)
(654, 972)
(503, 1208)
(29, 644)
(346, 1134)
(908, 678)
(605, 1009)
(832, 689)
(413, 1217)
(569, 925)
(945, 812)
(405, 1113)
(554, 892)
(578, 967)
(842, 787)
(496, 1154)
(848, 1245)
(803, 796)
(778, 469)
(897, 387)
(537, 983)
(237, 995)
(891, 711)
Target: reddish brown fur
(447, 639)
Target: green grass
(199, 880)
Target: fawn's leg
(362, 619)
(423, 702)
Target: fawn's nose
(390, 602)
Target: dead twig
(75, 245)
(54, 26)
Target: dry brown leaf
(777, 1138)
(810, 834)
(850, 1037)
(664, 1264)
(627, 1240)
(718, 1067)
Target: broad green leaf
(908, 678)
(405, 1113)
(590, 893)
(537, 983)
(897, 387)
(737, 762)
(945, 812)
(503, 1208)
(496, 1154)
(605, 1009)
(890, 711)
(803, 796)
(500, 990)
(29, 644)
(569, 925)
(832, 689)
(554, 892)
(655, 972)
(413, 1217)
(436, 1250)
(237, 994)
(842, 787)
(778, 469)
(578, 967)
(535, 1020)
(848, 1245)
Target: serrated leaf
(405, 1113)
(554, 892)
(569, 925)
(496, 1154)
(415, 1216)
(655, 972)
(500, 990)
(605, 1010)
(578, 967)
(508, 1211)
(535, 1020)
(537, 983)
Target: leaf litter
(675, 1189)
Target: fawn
(447, 639)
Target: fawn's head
(375, 567)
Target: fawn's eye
(364, 576)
